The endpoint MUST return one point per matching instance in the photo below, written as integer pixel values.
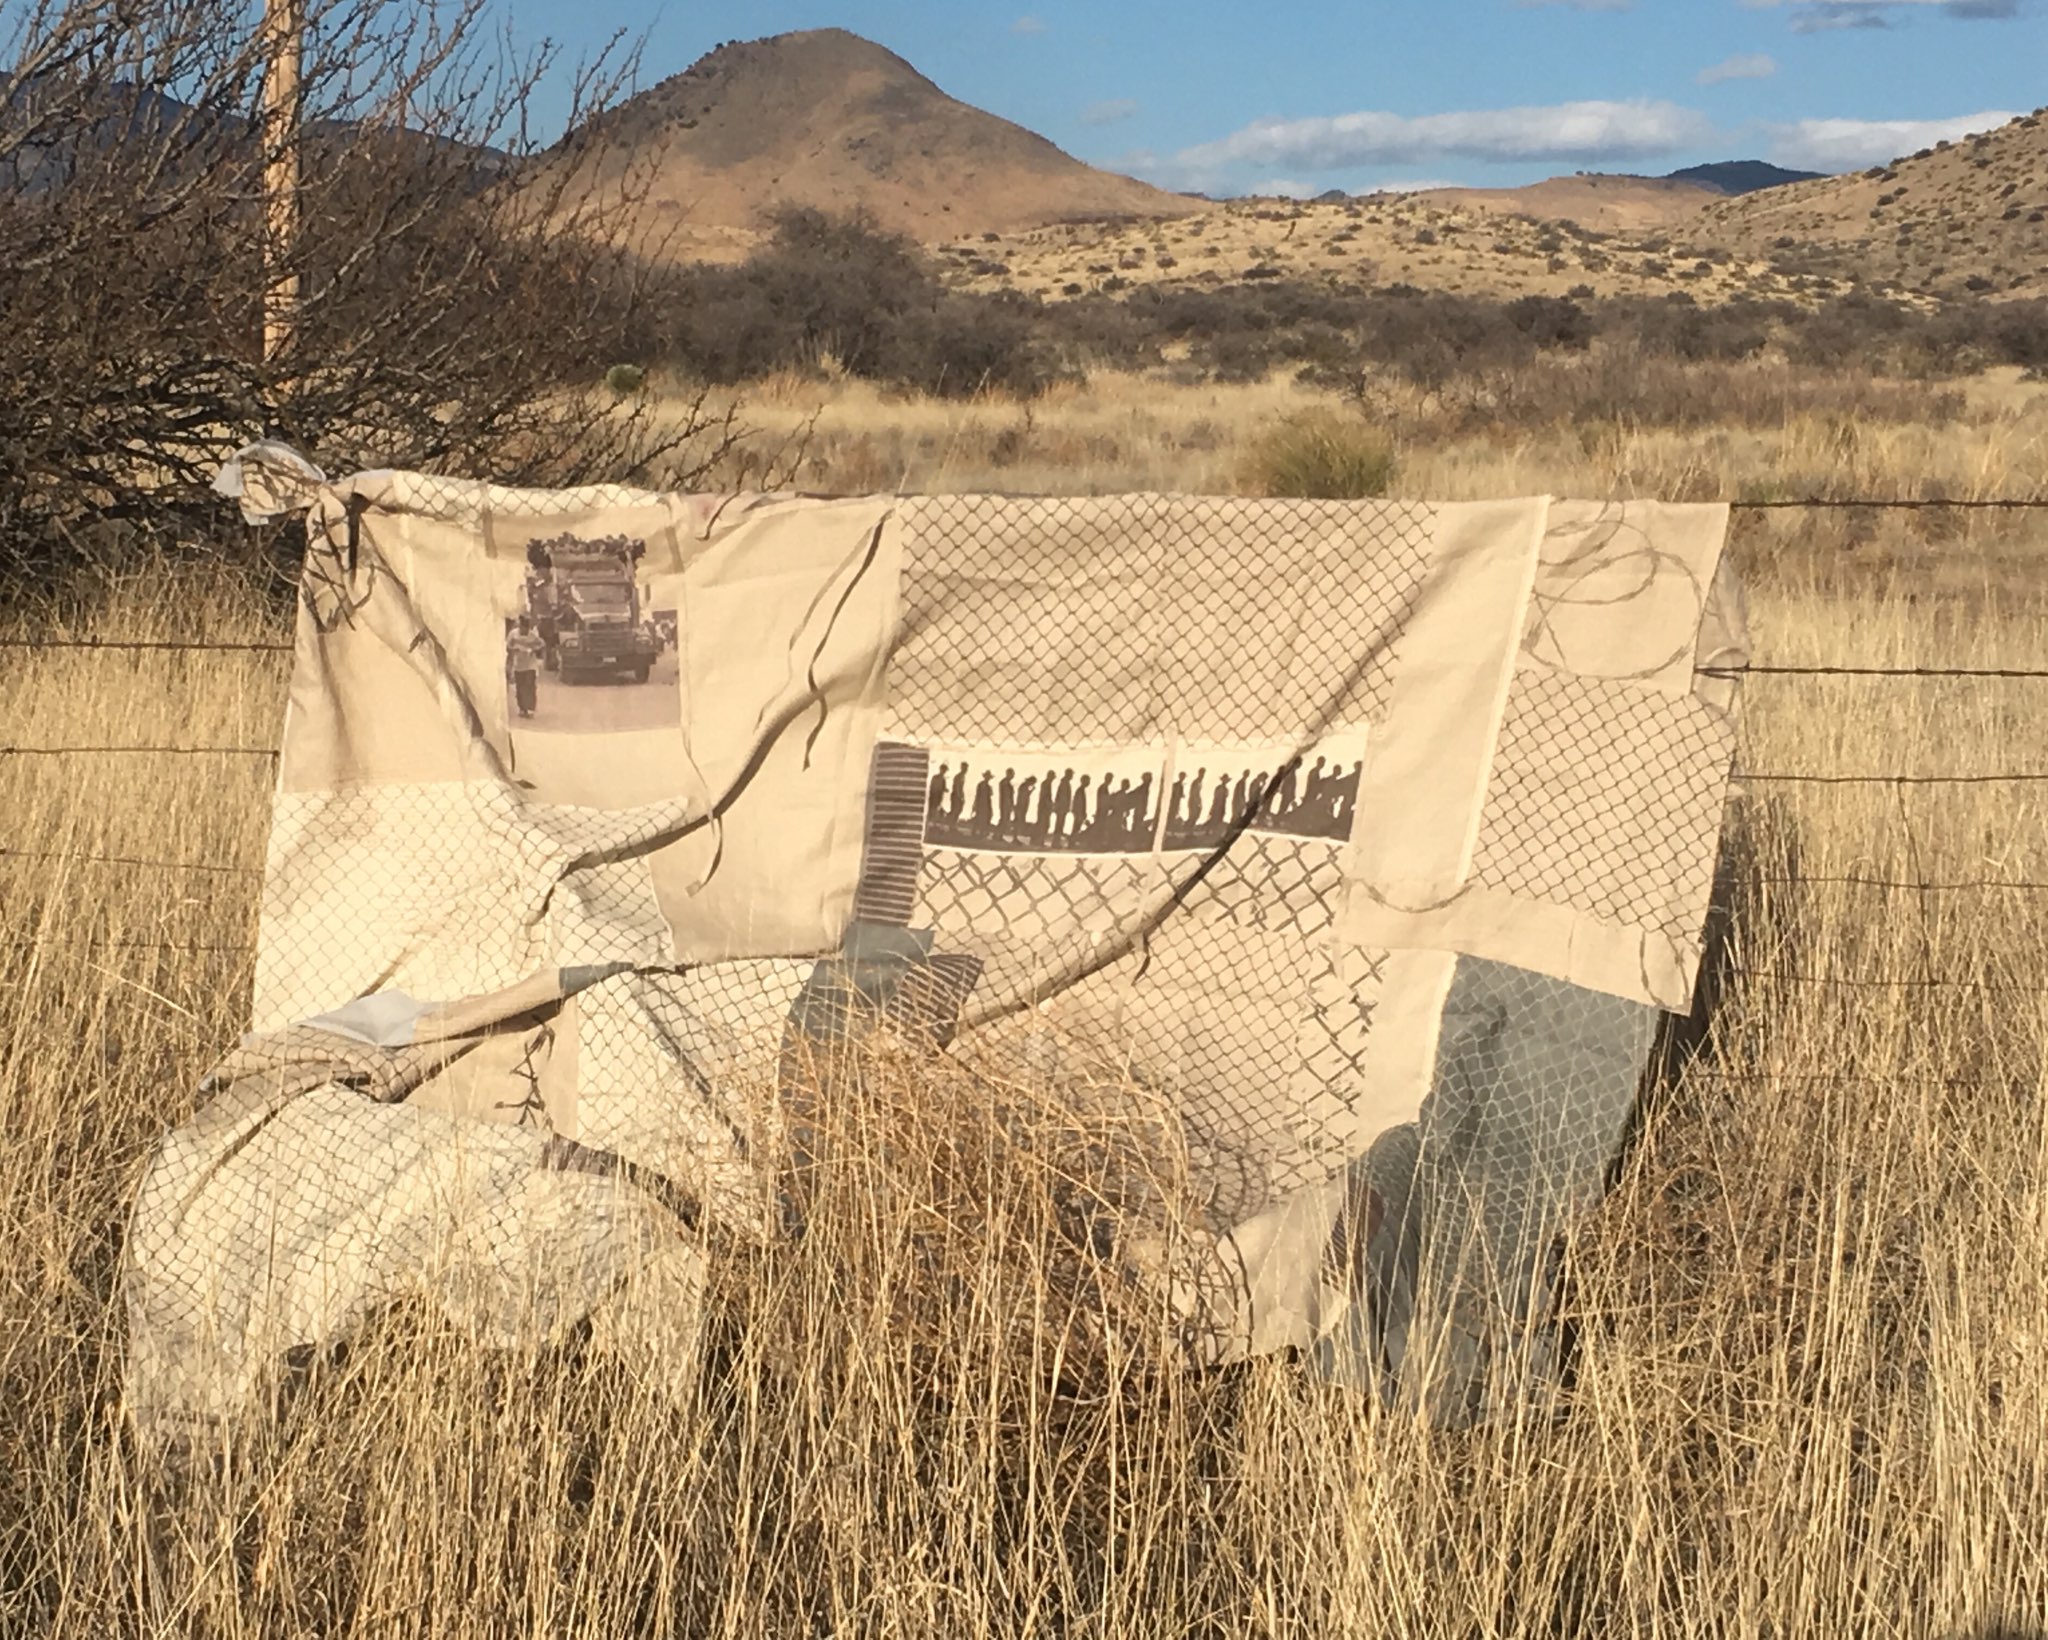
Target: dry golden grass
(1120, 432)
(1810, 1387)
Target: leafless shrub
(839, 290)
(1620, 384)
(460, 291)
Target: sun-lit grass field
(1811, 1385)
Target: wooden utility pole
(284, 27)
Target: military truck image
(586, 604)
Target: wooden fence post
(284, 24)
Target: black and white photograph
(586, 654)
(1040, 802)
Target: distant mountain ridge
(188, 136)
(828, 119)
(1622, 202)
(1741, 176)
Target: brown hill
(826, 118)
(1611, 204)
(1963, 217)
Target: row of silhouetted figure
(1114, 813)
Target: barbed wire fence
(1754, 778)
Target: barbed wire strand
(181, 946)
(1754, 776)
(1783, 976)
(1880, 982)
(72, 856)
(1756, 669)
(1857, 982)
(1966, 885)
(206, 645)
(180, 751)
(1772, 671)
(1897, 504)
(1775, 777)
(1809, 1078)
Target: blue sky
(1233, 96)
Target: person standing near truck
(523, 650)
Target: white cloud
(1817, 16)
(1108, 113)
(1283, 188)
(1742, 66)
(1028, 25)
(1851, 145)
(1580, 131)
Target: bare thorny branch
(463, 289)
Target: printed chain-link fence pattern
(1077, 613)
(1228, 1001)
(1597, 790)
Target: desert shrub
(1619, 383)
(1678, 327)
(1321, 455)
(2020, 335)
(1239, 355)
(1442, 343)
(1096, 332)
(962, 346)
(839, 289)
(1849, 329)
(1551, 321)
(1318, 345)
(823, 286)
(1953, 340)
(1432, 338)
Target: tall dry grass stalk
(1809, 1386)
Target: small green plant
(1321, 455)
(625, 379)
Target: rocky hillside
(1967, 217)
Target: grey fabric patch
(383, 1019)
(852, 991)
(1451, 1221)
(582, 976)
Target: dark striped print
(931, 995)
(894, 848)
